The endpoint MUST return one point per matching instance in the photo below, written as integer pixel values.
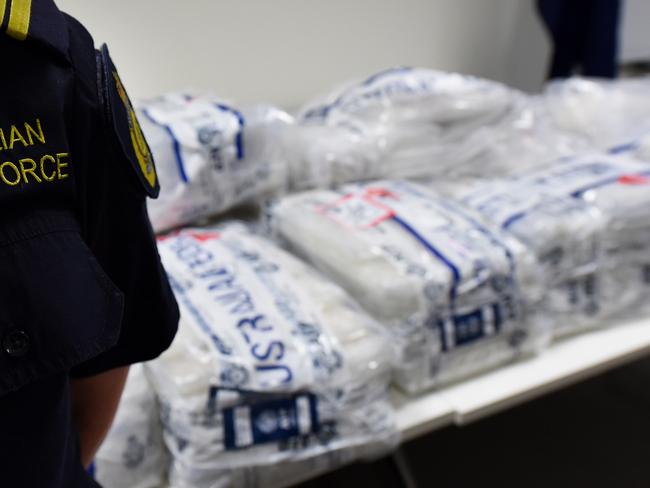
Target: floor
(594, 434)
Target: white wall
(287, 51)
(635, 41)
(529, 50)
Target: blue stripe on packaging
(323, 111)
(512, 219)
(239, 138)
(471, 326)
(498, 317)
(607, 181)
(487, 233)
(455, 273)
(461, 323)
(579, 193)
(443, 334)
(180, 164)
(623, 148)
(390, 71)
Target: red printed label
(360, 211)
(634, 180)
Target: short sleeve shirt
(82, 288)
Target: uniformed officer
(82, 291)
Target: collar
(37, 21)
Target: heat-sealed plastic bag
(211, 156)
(609, 113)
(586, 220)
(454, 293)
(404, 122)
(274, 369)
(133, 454)
(523, 139)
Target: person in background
(584, 35)
(83, 293)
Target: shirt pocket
(57, 306)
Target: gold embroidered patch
(140, 147)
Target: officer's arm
(114, 176)
(94, 403)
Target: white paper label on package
(471, 255)
(257, 317)
(568, 178)
(211, 128)
(211, 157)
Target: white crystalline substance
(453, 292)
(210, 156)
(133, 454)
(587, 220)
(275, 371)
(399, 123)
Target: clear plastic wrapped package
(133, 454)
(404, 123)
(211, 156)
(275, 373)
(524, 139)
(624, 200)
(638, 148)
(454, 292)
(608, 112)
(587, 220)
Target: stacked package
(275, 373)
(523, 140)
(404, 122)
(587, 220)
(210, 156)
(639, 148)
(455, 293)
(133, 454)
(610, 113)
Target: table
(562, 364)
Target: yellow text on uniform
(22, 135)
(46, 169)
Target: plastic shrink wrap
(609, 113)
(133, 454)
(587, 220)
(211, 156)
(404, 123)
(455, 293)
(524, 139)
(276, 374)
(638, 148)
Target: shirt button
(16, 343)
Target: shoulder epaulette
(38, 21)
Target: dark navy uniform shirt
(82, 289)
